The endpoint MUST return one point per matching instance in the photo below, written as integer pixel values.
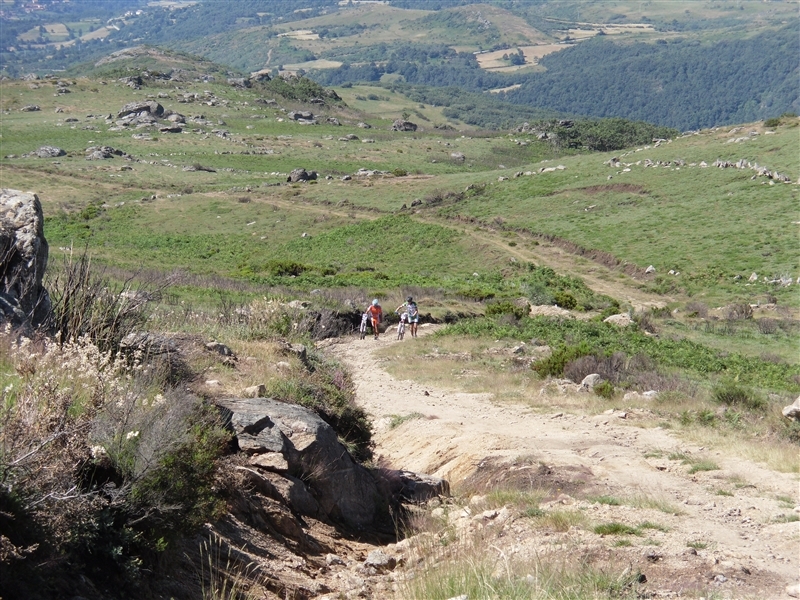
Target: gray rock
(23, 259)
(419, 487)
(458, 156)
(344, 490)
(403, 125)
(30, 108)
(620, 320)
(255, 391)
(301, 174)
(49, 152)
(380, 561)
(364, 125)
(239, 82)
(793, 410)
(148, 343)
(301, 115)
(147, 106)
(220, 349)
(591, 380)
(650, 269)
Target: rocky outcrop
(148, 106)
(301, 174)
(296, 456)
(47, 152)
(23, 259)
(403, 125)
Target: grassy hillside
(461, 211)
(523, 243)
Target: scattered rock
(649, 270)
(30, 108)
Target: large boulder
(149, 106)
(345, 492)
(403, 125)
(793, 410)
(23, 259)
(301, 174)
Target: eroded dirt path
(743, 545)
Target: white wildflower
(98, 452)
(131, 434)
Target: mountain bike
(362, 330)
(401, 326)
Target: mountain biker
(413, 314)
(375, 315)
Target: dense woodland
(679, 84)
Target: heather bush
(101, 466)
(87, 304)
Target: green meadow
(213, 202)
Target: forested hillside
(680, 84)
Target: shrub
(554, 364)
(732, 394)
(99, 465)
(283, 268)
(565, 300)
(506, 307)
(399, 172)
(328, 390)
(604, 389)
(697, 309)
(87, 304)
(767, 326)
(610, 368)
(773, 122)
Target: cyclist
(413, 314)
(375, 315)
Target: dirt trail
(745, 550)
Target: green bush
(565, 300)
(773, 122)
(399, 172)
(554, 364)
(505, 308)
(604, 389)
(282, 268)
(732, 394)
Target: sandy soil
(746, 549)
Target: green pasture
(239, 218)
